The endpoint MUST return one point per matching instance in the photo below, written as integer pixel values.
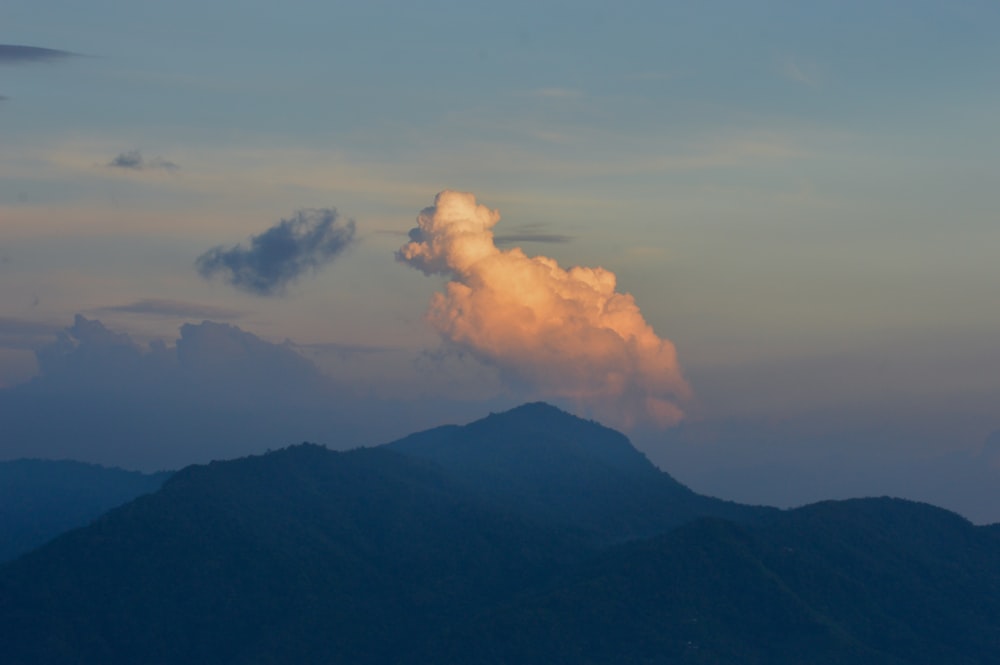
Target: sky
(760, 238)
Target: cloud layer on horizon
(567, 333)
(216, 391)
(219, 392)
(282, 254)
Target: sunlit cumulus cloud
(279, 256)
(568, 333)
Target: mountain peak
(534, 410)
(534, 439)
(553, 465)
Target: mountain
(557, 468)
(526, 537)
(879, 581)
(40, 499)
(289, 557)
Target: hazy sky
(801, 198)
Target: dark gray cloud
(279, 256)
(166, 308)
(530, 233)
(4, 98)
(127, 160)
(134, 161)
(15, 54)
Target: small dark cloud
(282, 254)
(531, 233)
(134, 160)
(4, 98)
(13, 54)
(175, 309)
(127, 160)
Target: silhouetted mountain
(40, 499)
(880, 581)
(294, 556)
(555, 467)
(458, 552)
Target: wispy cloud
(652, 76)
(14, 54)
(556, 93)
(282, 254)
(341, 349)
(531, 233)
(165, 308)
(799, 72)
(133, 160)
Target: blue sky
(801, 197)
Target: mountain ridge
(441, 548)
(789, 591)
(40, 499)
(229, 557)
